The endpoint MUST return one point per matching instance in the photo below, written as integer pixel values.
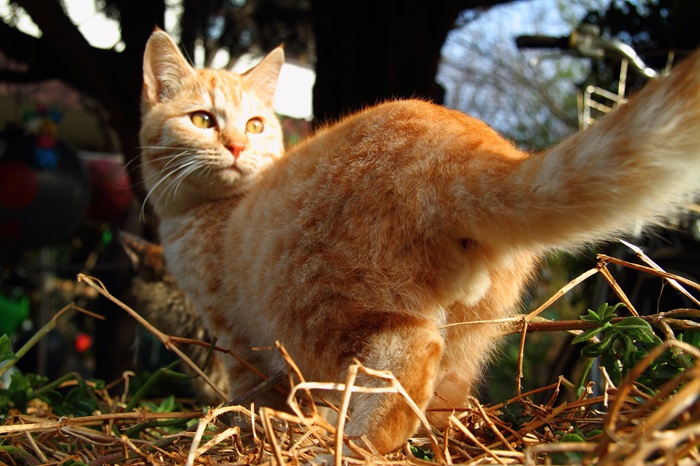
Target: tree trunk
(370, 51)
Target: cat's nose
(236, 148)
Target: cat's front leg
(410, 348)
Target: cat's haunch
(367, 239)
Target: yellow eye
(254, 126)
(203, 120)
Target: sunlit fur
(367, 239)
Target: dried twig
(164, 338)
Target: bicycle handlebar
(586, 42)
(543, 42)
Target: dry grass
(625, 425)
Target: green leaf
(18, 455)
(592, 317)
(569, 457)
(616, 306)
(633, 322)
(18, 382)
(596, 349)
(666, 372)
(19, 399)
(637, 328)
(421, 453)
(588, 334)
(6, 348)
(572, 438)
(612, 365)
(690, 337)
(630, 347)
(167, 405)
(605, 311)
(5, 402)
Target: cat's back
(364, 201)
(397, 158)
(379, 130)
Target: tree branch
(58, 31)
(46, 57)
(137, 22)
(25, 48)
(677, 318)
(20, 77)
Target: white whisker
(186, 170)
(177, 164)
(173, 173)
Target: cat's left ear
(262, 80)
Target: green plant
(22, 388)
(620, 344)
(6, 353)
(77, 401)
(422, 453)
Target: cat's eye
(255, 126)
(203, 120)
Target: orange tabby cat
(370, 237)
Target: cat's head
(205, 133)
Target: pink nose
(235, 149)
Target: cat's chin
(230, 172)
(232, 182)
(232, 176)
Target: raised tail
(634, 166)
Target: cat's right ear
(164, 68)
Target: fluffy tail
(635, 165)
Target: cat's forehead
(222, 90)
(221, 84)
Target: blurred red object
(83, 342)
(110, 187)
(40, 204)
(19, 184)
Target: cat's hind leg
(410, 348)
